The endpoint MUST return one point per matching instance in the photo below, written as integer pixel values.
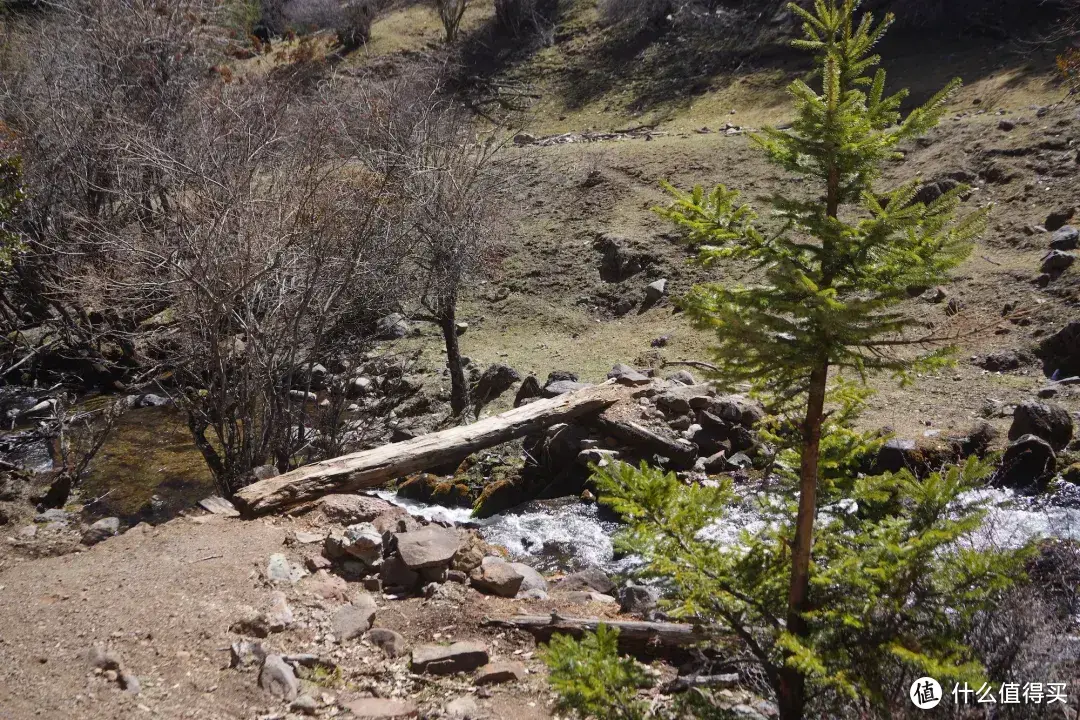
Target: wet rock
(355, 619)
(101, 530)
(1067, 238)
(382, 709)
(305, 705)
(495, 576)
(447, 659)
(1028, 461)
(277, 678)
(392, 643)
(431, 546)
(530, 578)
(499, 672)
(1047, 420)
(591, 578)
(638, 599)
(626, 375)
(1057, 261)
(102, 658)
(655, 290)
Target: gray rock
(524, 138)
(1057, 261)
(626, 375)
(360, 386)
(463, 708)
(277, 678)
(389, 641)
(683, 377)
(152, 400)
(655, 290)
(279, 570)
(638, 599)
(431, 546)
(1058, 219)
(305, 705)
(246, 654)
(529, 390)
(54, 516)
(395, 573)
(391, 327)
(365, 542)
(103, 529)
(530, 578)
(1061, 351)
(1067, 238)
(584, 597)
(458, 576)
(447, 659)
(353, 620)
(535, 595)
(498, 672)
(596, 456)
(1047, 420)
(561, 387)
(279, 615)
(497, 577)
(382, 709)
(102, 658)
(591, 578)
(1028, 461)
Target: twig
(208, 557)
(992, 262)
(695, 364)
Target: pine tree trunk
(792, 693)
(459, 392)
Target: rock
(245, 654)
(584, 597)
(54, 516)
(391, 327)
(305, 705)
(894, 455)
(530, 388)
(501, 672)
(396, 574)
(101, 530)
(530, 578)
(1006, 125)
(463, 708)
(1047, 420)
(102, 658)
(655, 290)
(280, 570)
(279, 615)
(1061, 351)
(561, 387)
(447, 659)
(1028, 461)
(352, 509)
(382, 709)
(353, 620)
(152, 400)
(392, 643)
(1066, 238)
(557, 375)
(739, 461)
(524, 138)
(1057, 261)
(431, 546)
(493, 382)
(1001, 361)
(1057, 219)
(626, 375)
(1071, 474)
(715, 463)
(277, 678)
(935, 295)
(495, 576)
(536, 595)
(596, 456)
(591, 578)
(660, 342)
(638, 599)
(683, 377)
(365, 543)
(360, 386)
(129, 683)
(458, 576)
(219, 506)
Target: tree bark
(459, 391)
(371, 468)
(792, 691)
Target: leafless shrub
(635, 14)
(526, 18)
(451, 12)
(355, 27)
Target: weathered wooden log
(371, 468)
(641, 638)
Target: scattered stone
(1001, 361)
(1028, 461)
(277, 678)
(638, 599)
(1067, 238)
(626, 375)
(101, 530)
(245, 654)
(305, 705)
(591, 578)
(219, 506)
(392, 643)
(355, 619)
(280, 570)
(102, 658)
(1047, 420)
(447, 659)
(584, 597)
(1057, 261)
(431, 546)
(501, 672)
(655, 290)
(1057, 219)
(497, 577)
(382, 709)
(365, 543)
(463, 708)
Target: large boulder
(352, 509)
(531, 579)
(591, 578)
(493, 382)
(391, 327)
(561, 387)
(495, 576)
(432, 546)
(1028, 462)
(1061, 351)
(1047, 420)
(447, 659)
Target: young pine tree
(839, 265)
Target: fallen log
(371, 468)
(640, 638)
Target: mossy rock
(1072, 474)
(419, 487)
(450, 494)
(498, 497)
